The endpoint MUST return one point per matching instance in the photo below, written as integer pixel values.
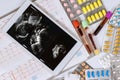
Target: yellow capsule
(115, 52)
(79, 1)
(110, 27)
(109, 35)
(95, 4)
(99, 3)
(116, 45)
(110, 31)
(97, 16)
(118, 29)
(93, 18)
(117, 41)
(107, 42)
(106, 50)
(89, 20)
(106, 46)
(117, 37)
(118, 33)
(88, 8)
(92, 7)
(116, 49)
(84, 0)
(84, 10)
(100, 14)
(104, 12)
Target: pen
(108, 16)
(82, 35)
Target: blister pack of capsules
(115, 19)
(98, 74)
(115, 66)
(112, 41)
(93, 10)
(81, 70)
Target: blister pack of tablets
(115, 19)
(115, 66)
(81, 70)
(93, 10)
(72, 8)
(105, 60)
(98, 74)
(107, 44)
(112, 41)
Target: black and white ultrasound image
(42, 37)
